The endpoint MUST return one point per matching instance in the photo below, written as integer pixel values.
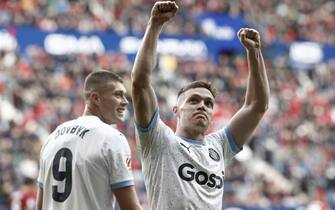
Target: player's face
(113, 103)
(195, 109)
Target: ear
(175, 110)
(94, 98)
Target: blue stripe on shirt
(39, 185)
(122, 184)
(236, 149)
(151, 125)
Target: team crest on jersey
(214, 154)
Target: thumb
(243, 38)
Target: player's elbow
(138, 79)
(258, 107)
(139, 82)
(263, 109)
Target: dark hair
(99, 79)
(28, 181)
(197, 84)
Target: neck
(191, 133)
(89, 111)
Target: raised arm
(256, 102)
(144, 98)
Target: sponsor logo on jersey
(188, 173)
(214, 154)
(187, 147)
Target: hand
(163, 11)
(249, 38)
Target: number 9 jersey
(81, 162)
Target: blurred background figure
(24, 198)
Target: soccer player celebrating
(85, 163)
(185, 169)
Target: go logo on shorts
(186, 172)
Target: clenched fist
(163, 11)
(249, 38)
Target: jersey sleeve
(154, 137)
(41, 172)
(42, 164)
(40, 178)
(117, 156)
(225, 138)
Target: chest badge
(214, 154)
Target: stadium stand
(289, 162)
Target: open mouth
(121, 110)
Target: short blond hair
(98, 80)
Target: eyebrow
(199, 96)
(120, 91)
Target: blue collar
(193, 141)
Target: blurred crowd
(278, 20)
(39, 91)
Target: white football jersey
(81, 162)
(183, 173)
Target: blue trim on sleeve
(39, 185)
(122, 184)
(231, 141)
(151, 125)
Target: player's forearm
(145, 58)
(258, 90)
